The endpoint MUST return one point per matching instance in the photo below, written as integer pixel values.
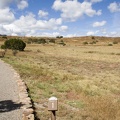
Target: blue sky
(69, 18)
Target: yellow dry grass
(85, 78)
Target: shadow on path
(9, 105)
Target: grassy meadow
(84, 77)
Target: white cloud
(114, 7)
(14, 34)
(2, 30)
(42, 13)
(58, 21)
(90, 33)
(99, 24)
(72, 9)
(71, 35)
(12, 28)
(44, 34)
(117, 34)
(29, 24)
(63, 28)
(113, 33)
(94, 1)
(5, 3)
(6, 16)
(99, 12)
(50, 24)
(54, 34)
(104, 31)
(22, 4)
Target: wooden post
(53, 107)
(53, 115)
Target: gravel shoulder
(9, 96)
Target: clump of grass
(91, 52)
(5, 37)
(92, 37)
(117, 53)
(62, 43)
(93, 42)
(85, 43)
(115, 42)
(110, 44)
(76, 103)
(63, 87)
(14, 52)
(52, 40)
(102, 108)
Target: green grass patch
(76, 103)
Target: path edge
(24, 99)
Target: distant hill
(72, 40)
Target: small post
(53, 115)
(53, 107)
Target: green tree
(59, 37)
(3, 47)
(15, 44)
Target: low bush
(115, 42)
(3, 36)
(93, 42)
(3, 47)
(62, 43)
(52, 40)
(85, 43)
(92, 37)
(41, 41)
(14, 44)
(59, 37)
(110, 44)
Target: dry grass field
(84, 78)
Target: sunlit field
(84, 78)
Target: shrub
(52, 40)
(41, 41)
(92, 37)
(115, 42)
(29, 41)
(85, 43)
(110, 44)
(93, 42)
(5, 37)
(36, 41)
(62, 43)
(59, 37)
(15, 44)
(3, 47)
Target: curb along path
(14, 101)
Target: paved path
(9, 100)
